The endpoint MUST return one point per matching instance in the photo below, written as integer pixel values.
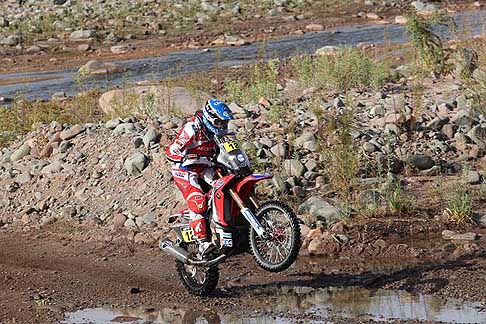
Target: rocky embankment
(114, 175)
(96, 174)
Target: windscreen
(230, 153)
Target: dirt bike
(238, 223)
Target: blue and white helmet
(216, 115)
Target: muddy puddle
(294, 304)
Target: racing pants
(187, 182)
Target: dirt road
(43, 276)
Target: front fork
(248, 214)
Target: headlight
(241, 158)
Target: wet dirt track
(43, 277)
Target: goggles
(220, 123)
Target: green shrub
(459, 207)
(426, 43)
(303, 68)
(264, 81)
(398, 201)
(235, 91)
(349, 68)
(341, 154)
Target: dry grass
(23, 115)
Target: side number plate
(188, 235)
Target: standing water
(292, 304)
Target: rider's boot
(205, 247)
(199, 225)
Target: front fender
(244, 187)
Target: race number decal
(188, 235)
(231, 146)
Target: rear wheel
(280, 250)
(197, 280)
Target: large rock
(124, 128)
(150, 137)
(320, 209)
(472, 177)
(314, 27)
(81, 34)
(136, 163)
(152, 100)
(96, 67)
(119, 49)
(294, 168)
(420, 161)
(19, 154)
(328, 50)
(423, 7)
(478, 136)
(11, 40)
(71, 132)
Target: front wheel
(277, 252)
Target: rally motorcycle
(238, 224)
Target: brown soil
(45, 274)
(251, 30)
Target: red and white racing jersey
(191, 145)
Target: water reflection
(290, 304)
(381, 305)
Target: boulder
(420, 161)
(401, 20)
(20, 153)
(124, 128)
(33, 49)
(472, 177)
(71, 132)
(81, 34)
(423, 7)
(95, 67)
(478, 135)
(150, 137)
(144, 100)
(119, 49)
(113, 123)
(328, 50)
(119, 220)
(305, 137)
(314, 27)
(52, 168)
(294, 167)
(320, 209)
(11, 40)
(23, 178)
(136, 163)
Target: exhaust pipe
(182, 255)
(179, 253)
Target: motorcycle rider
(191, 154)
